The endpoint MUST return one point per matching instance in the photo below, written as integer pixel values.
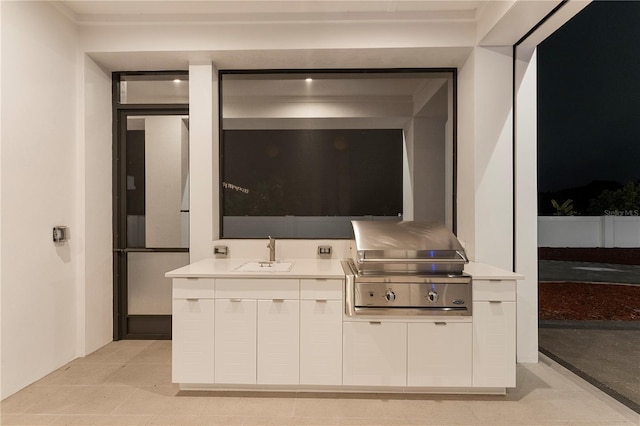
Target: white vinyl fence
(589, 231)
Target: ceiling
(339, 92)
(127, 12)
(132, 15)
(100, 11)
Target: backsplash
(285, 249)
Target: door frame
(127, 326)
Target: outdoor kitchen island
(240, 326)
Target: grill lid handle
(462, 258)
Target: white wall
(39, 86)
(95, 321)
(286, 249)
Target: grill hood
(407, 247)
(407, 236)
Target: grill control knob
(390, 296)
(432, 296)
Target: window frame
(453, 71)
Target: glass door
(151, 235)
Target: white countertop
(302, 268)
(482, 271)
(309, 268)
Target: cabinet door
(321, 342)
(375, 353)
(192, 347)
(439, 354)
(278, 341)
(494, 344)
(235, 341)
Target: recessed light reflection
(308, 79)
(177, 80)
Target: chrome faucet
(272, 249)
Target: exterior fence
(589, 231)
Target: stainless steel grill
(406, 268)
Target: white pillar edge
(525, 207)
(201, 117)
(79, 233)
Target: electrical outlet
(324, 250)
(221, 250)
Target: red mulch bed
(620, 256)
(590, 302)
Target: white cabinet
(288, 332)
(257, 340)
(439, 354)
(321, 332)
(418, 354)
(494, 333)
(375, 353)
(192, 330)
(278, 342)
(235, 341)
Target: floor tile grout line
(112, 412)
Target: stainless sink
(265, 266)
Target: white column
(526, 206)
(95, 307)
(203, 159)
(485, 177)
(407, 172)
(494, 156)
(429, 151)
(465, 172)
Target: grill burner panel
(408, 295)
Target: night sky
(589, 98)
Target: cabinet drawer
(494, 290)
(259, 288)
(193, 288)
(321, 289)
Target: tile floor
(129, 383)
(609, 357)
